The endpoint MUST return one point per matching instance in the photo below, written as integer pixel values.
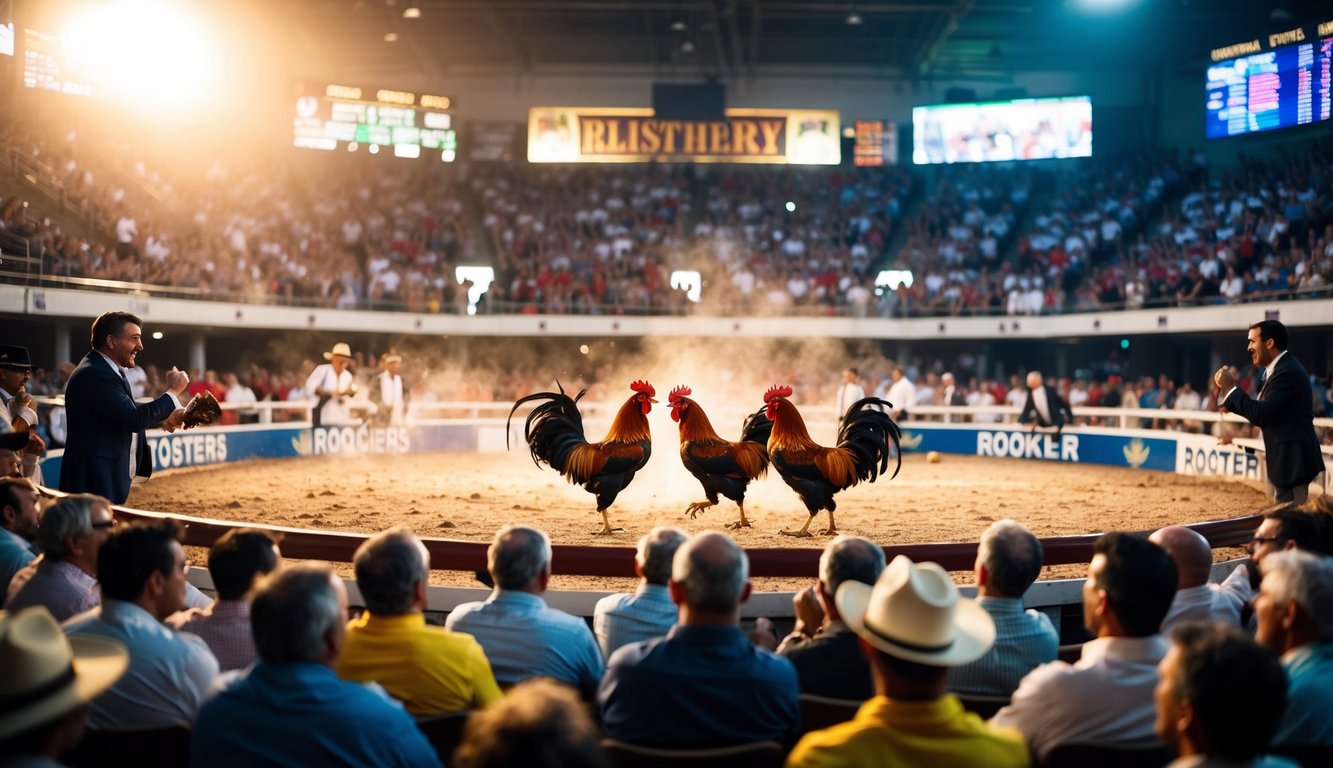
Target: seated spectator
(1220, 697)
(18, 527)
(1196, 599)
(624, 618)
(1009, 559)
(235, 560)
(49, 680)
(913, 627)
(289, 708)
(1294, 611)
(1283, 528)
(822, 647)
(704, 684)
(142, 572)
(64, 578)
(539, 724)
(1108, 694)
(429, 669)
(521, 635)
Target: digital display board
(1278, 81)
(876, 143)
(999, 131)
(411, 124)
(45, 67)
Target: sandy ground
(469, 495)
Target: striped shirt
(623, 618)
(1023, 640)
(523, 637)
(225, 627)
(62, 587)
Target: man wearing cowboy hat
(913, 627)
(332, 383)
(17, 410)
(49, 680)
(388, 393)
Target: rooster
(554, 433)
(816, 472)
(720, 465)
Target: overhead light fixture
(687, 46)
(390, 37)
(854, 18)
(412, 12)
(1280, 15)
(678, 25)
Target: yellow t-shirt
(428, 668)
(911, 733)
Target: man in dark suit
(107, 443)
(1044, 407)
(1283, 411)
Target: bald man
(1196, 599)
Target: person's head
(540, 723)
(896, 374)
(1266, 340)
(74, 528)
(1283, 528)
(299, 614)
(1009, 559)
(144, 564)
(119, 336)
(1034, 379)
(1131, 583)
(18, 506)
(947, 380)
(1294, 605)
(519, 558)
(15, 368)
(847, 558)
(1189, 550)
(11, 463)
(393, 363)
(392, 570)
(1218, 693)
(238, 557)
(49, 679)
(850, 375)
(914, 626)
(656, 550)
(710, 578)
(340, 357)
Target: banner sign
(592, 135)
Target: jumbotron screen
(999, 131)
(1279, 88)
(409, 124)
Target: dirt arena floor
(469, 495)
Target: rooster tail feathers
(554, 428)
(757, 427)
(866, 432)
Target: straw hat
(48, 674)
(339, 349)
(914, 613)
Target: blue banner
(1069, 445)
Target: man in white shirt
(388, 393)
(848, 392)
(238, 393)
(333, 385)
(1196, 599)
(902, 394)
(1108, 694)
(1043, 405)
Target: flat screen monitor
(1001, 131)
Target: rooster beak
(651, 400)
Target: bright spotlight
(158, 335)
(689, 281)
(374, 149)
(583, 349)
(791, 207)
(481, 278)
(892, 278)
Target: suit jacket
(1059, 409)
(830, 664)
(1284, 414)
(102, 419)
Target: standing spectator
(388, 393)
(1043, 405)
(235, 561)
(522, 636)
(848, 392)
(429, 669)
(290, 708)
(622, 619)
(332, 384)
(901, 393)
(239, 394)
(64, 579)
(704, 684)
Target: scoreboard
(409, 124)
(1276, 81)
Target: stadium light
(690, 282)
(481, 278)
(890, 279)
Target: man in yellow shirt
(913, 627)
(429, 669)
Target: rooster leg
(694, 509)
(804, 533)
(742, 523)
(831, 530)
(606, 529)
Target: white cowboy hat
(340, 348)
(48, 674)
(914, 613)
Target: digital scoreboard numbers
(876, 143)
(1280, 81)
(409, 124)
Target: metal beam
(928, 52)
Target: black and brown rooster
(721, 466)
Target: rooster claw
(797, 534)
(738, 525)
(607, 531)
(829, 532)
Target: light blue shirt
(170, 672)
(1308, 718)
(300, 713)
(15, 554)
(523, 637)
(623, 618)
(1023, 641)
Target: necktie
(126, 381)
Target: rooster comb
(678, 393)
(642, 386)
(777, 390)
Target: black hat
(14, 441)
(15, 358)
